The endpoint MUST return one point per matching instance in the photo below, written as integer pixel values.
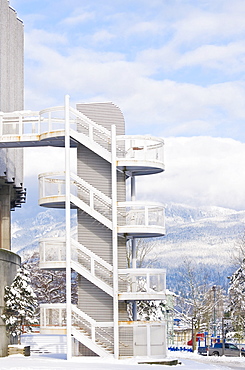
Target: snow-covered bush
(237, 301)
(20, 305)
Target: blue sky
(175, 68)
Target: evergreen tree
(237, 300)
(237, 290)
(20, 305)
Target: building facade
(12, 193)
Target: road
(203, 363)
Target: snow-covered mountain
(26, 231)
(207, 234)
(204, 234)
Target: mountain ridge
(206, 233)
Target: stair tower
(106, 160)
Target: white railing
(52, 315)
(50, 120)
(99, 332)
(53, 250)
(146, 148)
(140, 214)
(145, 280)
(95, 132)
(26, 123)
(53, 185)
(33, 123)
(95, 265)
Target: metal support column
(68, 228)
(114, 239)
(134, 254)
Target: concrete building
(12, 193)
(108, 224)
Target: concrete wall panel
(9, 263)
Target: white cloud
(199, 171)
(202, 26)
(46, 159)
(42, 160)
(173, 108)
(229, 58)
(77, 18)
(102, 36)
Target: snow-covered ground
(57, 362)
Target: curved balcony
(138, 219)
(83, 196)
(142, 284)
(53, 256)
(47, 127)
(52, 253)
(52, 190)
(140, 155)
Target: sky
(174, 67)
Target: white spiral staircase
(136, 155)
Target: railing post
(39, 125)
(20, 125)
(134, 255)
(92, 266)
(91, 134)
(50, 122)
(148, 282)
(91, 195)
(44, 317)
(93, 333)
(114, 240)
(145, 150)
(146, 216)
(59, 188)
(1, 124)
(33, 127)
(68, 228)
(43, 187)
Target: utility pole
(214, 311)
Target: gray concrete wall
(11, 84)
(11, 99)
(11, 160)
(9, 263)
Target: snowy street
(58, 362)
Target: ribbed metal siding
(94, 169)
(105, 114)
(95, 302)
(126, 337)
(97, 172)
(94, 236)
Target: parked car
(229, 349)
(202, 351)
